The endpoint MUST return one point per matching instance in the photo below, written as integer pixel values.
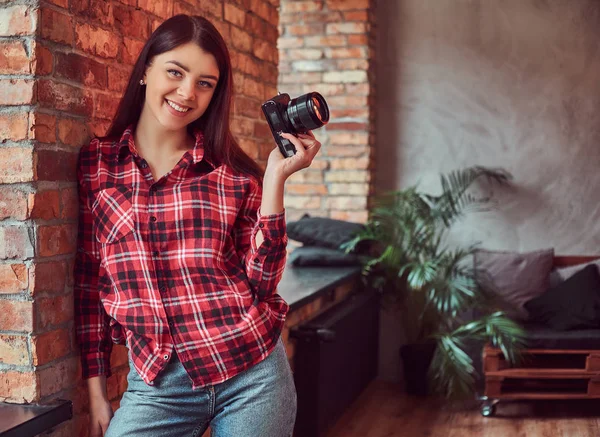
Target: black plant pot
(416, 359)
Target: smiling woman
(182, 242)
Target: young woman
(181, 245)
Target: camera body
(300, 115)
(275, 111)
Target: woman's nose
(186, 90)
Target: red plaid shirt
(172, 266)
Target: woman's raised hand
(307, 147)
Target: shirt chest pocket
(113, 215)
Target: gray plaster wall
(508, 83)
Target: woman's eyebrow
(180, 65)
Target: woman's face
(179, 85)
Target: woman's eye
(174, 73)
(205, 84)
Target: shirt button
(256, 260)
(155, 253)
(152, 218)
(171, 323)
(143, 164)
(262, 225)
(166, 357)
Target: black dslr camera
(295, 116)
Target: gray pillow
(516, 277)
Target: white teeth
(177, 107)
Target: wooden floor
(383, 411)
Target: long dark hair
(219, 144)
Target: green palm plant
(436, 285)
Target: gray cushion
(516, 277)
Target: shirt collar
(126, 143)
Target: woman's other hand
(100, 415)
(307, 147)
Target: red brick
(13, 58)
(13, 126)
(53, 165)
(346, 5)
(15, 242)
(72, 132)
(289, 42)
(249, 146)
(262, 129)
(303, 202)
(352, 64)
(18, 387)
(358, 89)
(63, 97)
(350, 164)
(16, 164)
(244, 63)
(265, 50)
(184, 8)
(348, 138)
(354, 176)
(347, 52)
(358, 40)
(17, 20)
(308, 176)
(81, 69)
(264, 10)
(69, 203)
(56, 26)
(241, 40)
(118, 77)
(118, 356)
(100, 11)
(14, 350)
(289, 7)
(351, 216)
(53, 311)
(131, 22)
(61, 3)
(349, 189)
(211, 7)
(98, 128)
(42, 127)
(306, 189)
(326, 41)
(349, 112)
(242, 127)
(44, 205)
(130, 50)
(246, 107)
(347, 126)
(13, 203)
(257, 27)
(47, 278)
(50, 346)
(42, 60)
(59, 376)
(56, 240)
(303, 77)
(96, 41)
(16, 92)
(105, 106)
(16, 316)
(234, 15)
(13, 279)
(356, 15)
(162, 8)
(305, 29)
(346, 150)
(252, 88)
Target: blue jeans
(258, 402)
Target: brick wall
(328, 46)
(63, 64)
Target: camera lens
(308, 112)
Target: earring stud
(142, 82)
